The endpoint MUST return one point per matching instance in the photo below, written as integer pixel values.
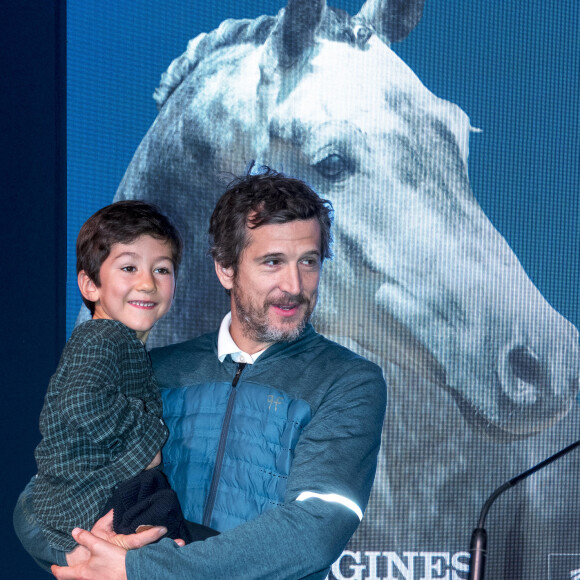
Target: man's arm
(248, 552)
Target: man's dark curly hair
(255, 200)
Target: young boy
(102, 423)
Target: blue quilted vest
(231, 445)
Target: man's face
(274, 291)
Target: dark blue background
(32, 241)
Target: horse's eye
(334, 167)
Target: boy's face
(137, 284)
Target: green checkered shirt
(101, 424)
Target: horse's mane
(336, 25)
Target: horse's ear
(393, 20)
(294, 34)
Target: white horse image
(482, 371)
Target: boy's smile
(137, 284)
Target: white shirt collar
(226, 345)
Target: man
(274, 429)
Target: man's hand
(105, 560)
(101, 552)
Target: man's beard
(255, 323)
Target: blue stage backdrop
(458, 274)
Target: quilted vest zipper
(207, 513)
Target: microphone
(478, 544)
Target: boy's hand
(156, 461)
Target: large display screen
(452, 159)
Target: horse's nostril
(525, 366)
(524, 380)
